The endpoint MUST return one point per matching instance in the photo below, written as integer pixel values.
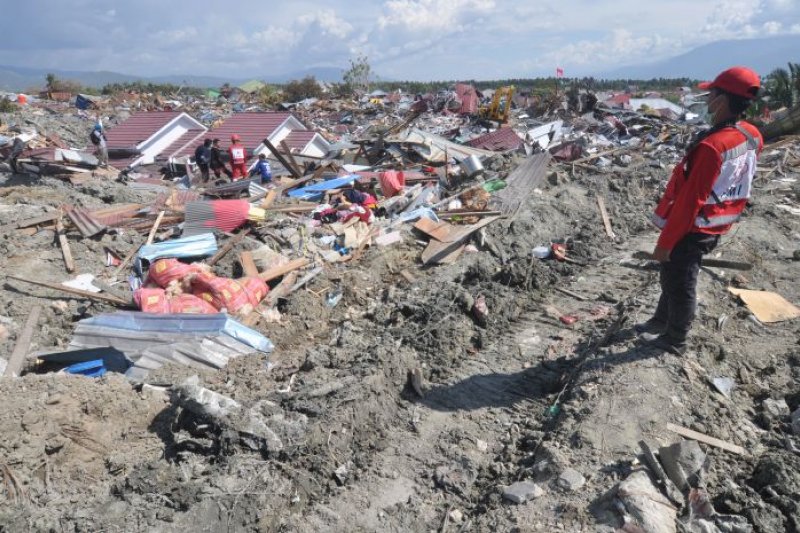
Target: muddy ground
(521, 396)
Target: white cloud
(432, 15)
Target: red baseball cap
(740, 81)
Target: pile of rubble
(275, 334)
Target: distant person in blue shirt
(262, 169)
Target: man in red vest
(238, 158)
(707, 193)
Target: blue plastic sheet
(314, 192)
(203, 245)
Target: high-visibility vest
(738, 149)
(237, 154)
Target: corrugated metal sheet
(138, 128)
(177, 200)
(116, 216)
(88, 225)
(251, 127)
(500, 140)
(150, 340)
(225, 215)
(520, 183)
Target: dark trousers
(677, 305)
(204, 174)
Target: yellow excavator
(500, 106)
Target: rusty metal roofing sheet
(88, 225)
(500, 140)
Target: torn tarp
(195, 246)
(314, 192)
(150, 340)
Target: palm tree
(779, 87)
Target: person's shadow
(537, 382)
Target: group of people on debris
(208, 157)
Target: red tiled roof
(469, 99)
(190, 139)
(138, 128)
(122, 164)
(298, 139)
(499, 140)
(251, 127)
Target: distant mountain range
(24, 78)
(704, 62)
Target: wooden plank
(408, 276)
(767, 306)
(154, 229)
(282, 270)
(23, 344)
(248, 264)
(125, 261)
(227, 247)
(601, 204)
(711, 441)
(49, 217)
(76, 292)
(453, 214)
(706, 262)
(573, 294)
(281, 290)
(65, 249)
(302, 181)
(288, 152)
(283, 161)
(434, 230)
(269, 199)
(438, 252)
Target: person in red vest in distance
(705, 196)
(238, 158)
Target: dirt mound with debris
(500, 392)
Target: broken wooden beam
(283, 161)
(288, 152)
(452, 214)
(76, 292)
(227, 247)
(65, 249)
(249, 267)
(601, 204)
(282, 270)
(711, 441)
(269, 199)
(706, 262)
(154, 229)
(125, 261)
(23, 344)
(573, 294)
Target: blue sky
(404, 39)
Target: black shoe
(665, 342)
(651, 326)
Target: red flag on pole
(559, 72)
